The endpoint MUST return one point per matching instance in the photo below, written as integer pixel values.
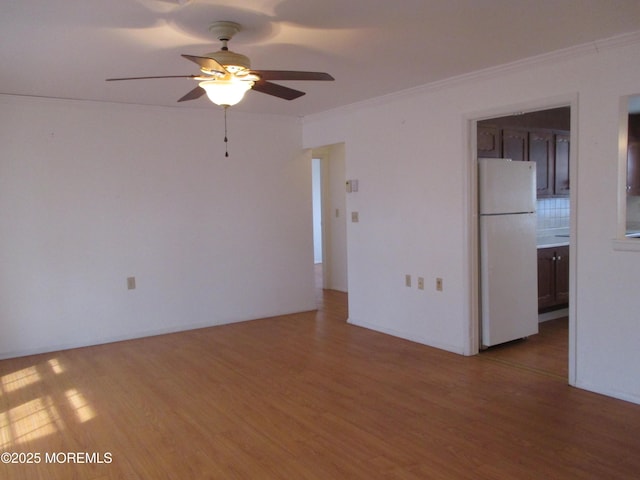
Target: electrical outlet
(407, 280)
(131, 283)
(439, 284)
(420, 283)
(355, 218)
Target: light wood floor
(305, 396)
(546, 353)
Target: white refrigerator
(508, 255)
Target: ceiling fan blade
(193, 94)
(207, 63)
(148, 78)
(291, 75)
(277, 90)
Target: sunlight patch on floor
(83, 410)
(55, 365)
(5, 434)
(39, 416)
(20, 379)
(33, 419)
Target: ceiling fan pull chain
(226, 141)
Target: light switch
(131, 283)
(354, 217)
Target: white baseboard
(543, 317)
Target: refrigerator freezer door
(506, 186)
(509, 286)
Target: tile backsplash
(553, 214)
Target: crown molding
(555, 56)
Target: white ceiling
(67, 48)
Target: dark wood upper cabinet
(541, 151)
(488, 141)
(562, 150)
(548, 148)
(515, 144)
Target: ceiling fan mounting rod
(224, 30)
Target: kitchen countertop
(549, 241)
(555, 237)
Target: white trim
(79, 103)
(608, 392)
(140, 334)
(553, 315)
(556, 56)
(470, 173)
(626, 244)
(406, 336)
(573, 244)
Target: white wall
(92, 193)
(411, 153)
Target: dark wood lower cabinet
(546, 277)
(553, 277)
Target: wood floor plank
(307, 396)
(547, 352)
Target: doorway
(542, 136)
(329, 207)
(316, 195)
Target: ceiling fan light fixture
(226, 92)
(227, 75)
(230, 60)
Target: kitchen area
(541, 138)
(633, 168)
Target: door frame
(334, 239)
(322, 154)
(472, 344)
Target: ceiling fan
(226, 76)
